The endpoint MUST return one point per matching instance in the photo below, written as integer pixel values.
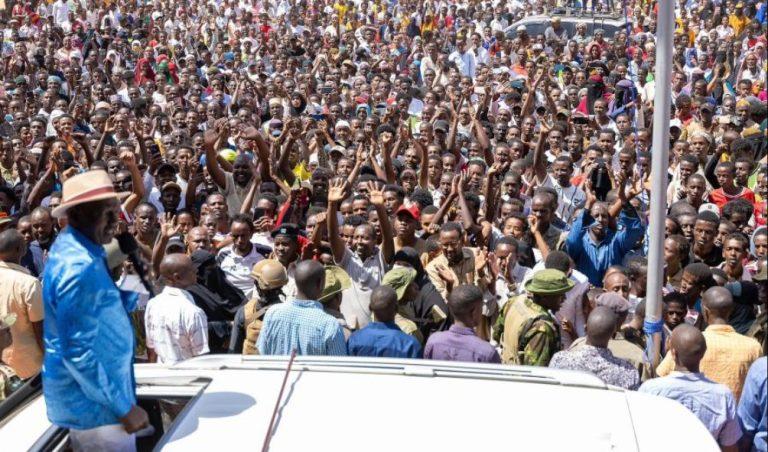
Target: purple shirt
(460, 343)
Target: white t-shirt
(238, 268)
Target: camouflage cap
(336, 280)
(399, 279)
(549, 282)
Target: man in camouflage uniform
(269, 277)
(531, 334)
(403, 280)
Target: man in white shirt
(60, 12)
(463, 59)
(176, 328)
(237, 260)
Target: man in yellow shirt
(21, 310)
(729, 354)
(738, 20)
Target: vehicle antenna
(268, 437)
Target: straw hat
(86, 187)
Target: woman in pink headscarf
(144, 72)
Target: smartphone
(258, 213)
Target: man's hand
(135, 420)
(446, 275)
(533, 223)
(337, 191)
(375, 194)
(169, 228)
(481, 260)
(128, 158)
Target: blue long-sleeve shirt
(753, 405)
(383, 340)
(593, 259)
(88, 366)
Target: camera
(601, 180)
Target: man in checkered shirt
(301, 324)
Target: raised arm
(454, 129)
(539, 160)
(129, 161)
(212, 137)
(168, 229)
(376, 196)
(709, 169)
(336, 192)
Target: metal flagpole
(659, 163)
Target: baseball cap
(287, 229)
(336, 280)
(338, 148)
(709, 207)
(441, 125)
(165, 166)
(412, 211)
(175, 244)
(614, 302)
(171, 185)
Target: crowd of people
(407, 179)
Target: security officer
(531, 333)
(336, 281)
(403, 280)
(269, 277)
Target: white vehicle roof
(353, 404)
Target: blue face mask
(9, 117)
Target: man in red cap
(406, 223)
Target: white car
(356, 404)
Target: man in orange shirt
(729, 354)
(725, 172)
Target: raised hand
(446, 275)
(375, 194)
(533, 223)
(169, 228)
(109, 125)
(481, 259)
(337, 190)
(455, 185)
(128, 159)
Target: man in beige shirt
(729, 354)
(21, 309)
(456, 265)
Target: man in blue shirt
(601, 246)
(753, 407)
(382, 337)
(711, 402)
(88, 379)
(301, 324)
